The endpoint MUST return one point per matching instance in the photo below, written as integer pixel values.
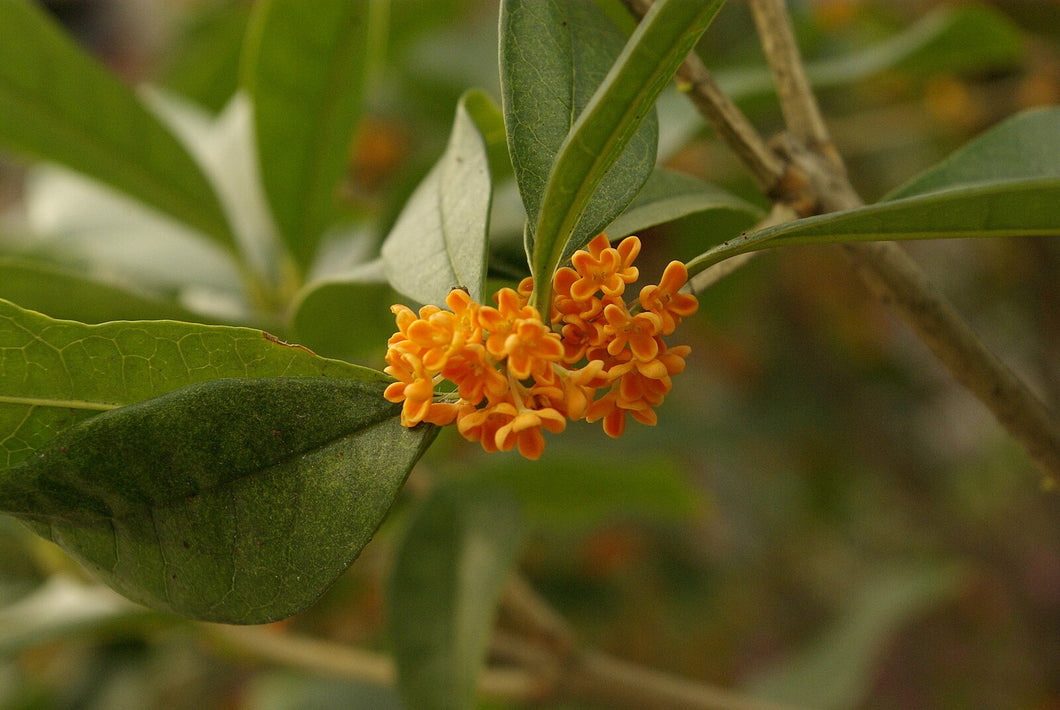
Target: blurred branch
(886, 268)
(723, 115)
(814, 181)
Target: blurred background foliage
(822, 516)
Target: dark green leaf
(668, 196)
(1005, 183)
(606, 126)
(439, 240)
(554, 55)
(59, 105)
(305, 67)
(233, 500)
(55, 373)
(204, 56)
(456, 557)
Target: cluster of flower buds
(514, 375)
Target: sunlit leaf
(55, 373)
(439, 240)
(606, 126)
(1005, 183)
(59, 105)
(456, 556)
(305, 66)
(232, 500)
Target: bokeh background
(822, 516)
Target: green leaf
(59, 105)
(836, 671)
(347, 315)
(1005, 183)
(574, 495)
(232, 500)
(305, 66)
(554, 56)
(448, 575)
(56, 373)
(66, 293)
(607, 125)
(439, 240)
(668, 196)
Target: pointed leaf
(456, 557)
(60, 105)
(1004, 183)
(668, 196)
(232, 500)
(439, 240)
(607, 125)
(55, 373)
(554, 55)
(305, 66)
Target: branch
(723, 115)
(887, 270)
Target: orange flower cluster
(514, 375)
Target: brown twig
(887, 269)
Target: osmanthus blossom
(513, 375)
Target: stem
(324, 658)
(611, 683)
(723, 115)
(797, 101)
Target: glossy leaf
(606, 126)
(668, 196)
(65, 293)
(439, 240)
(450, 569)
(1004, 183)
(305, 66)
(59, 105)
(554, 56)
(231, 500)
(56, 373)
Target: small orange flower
(515, 377)
(664, 300)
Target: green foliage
(218, 473)
(439, 241)
(305, 66)
(59, 105)
(456, 557)
(1004, 183)
(554, 56)
(234, 500)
